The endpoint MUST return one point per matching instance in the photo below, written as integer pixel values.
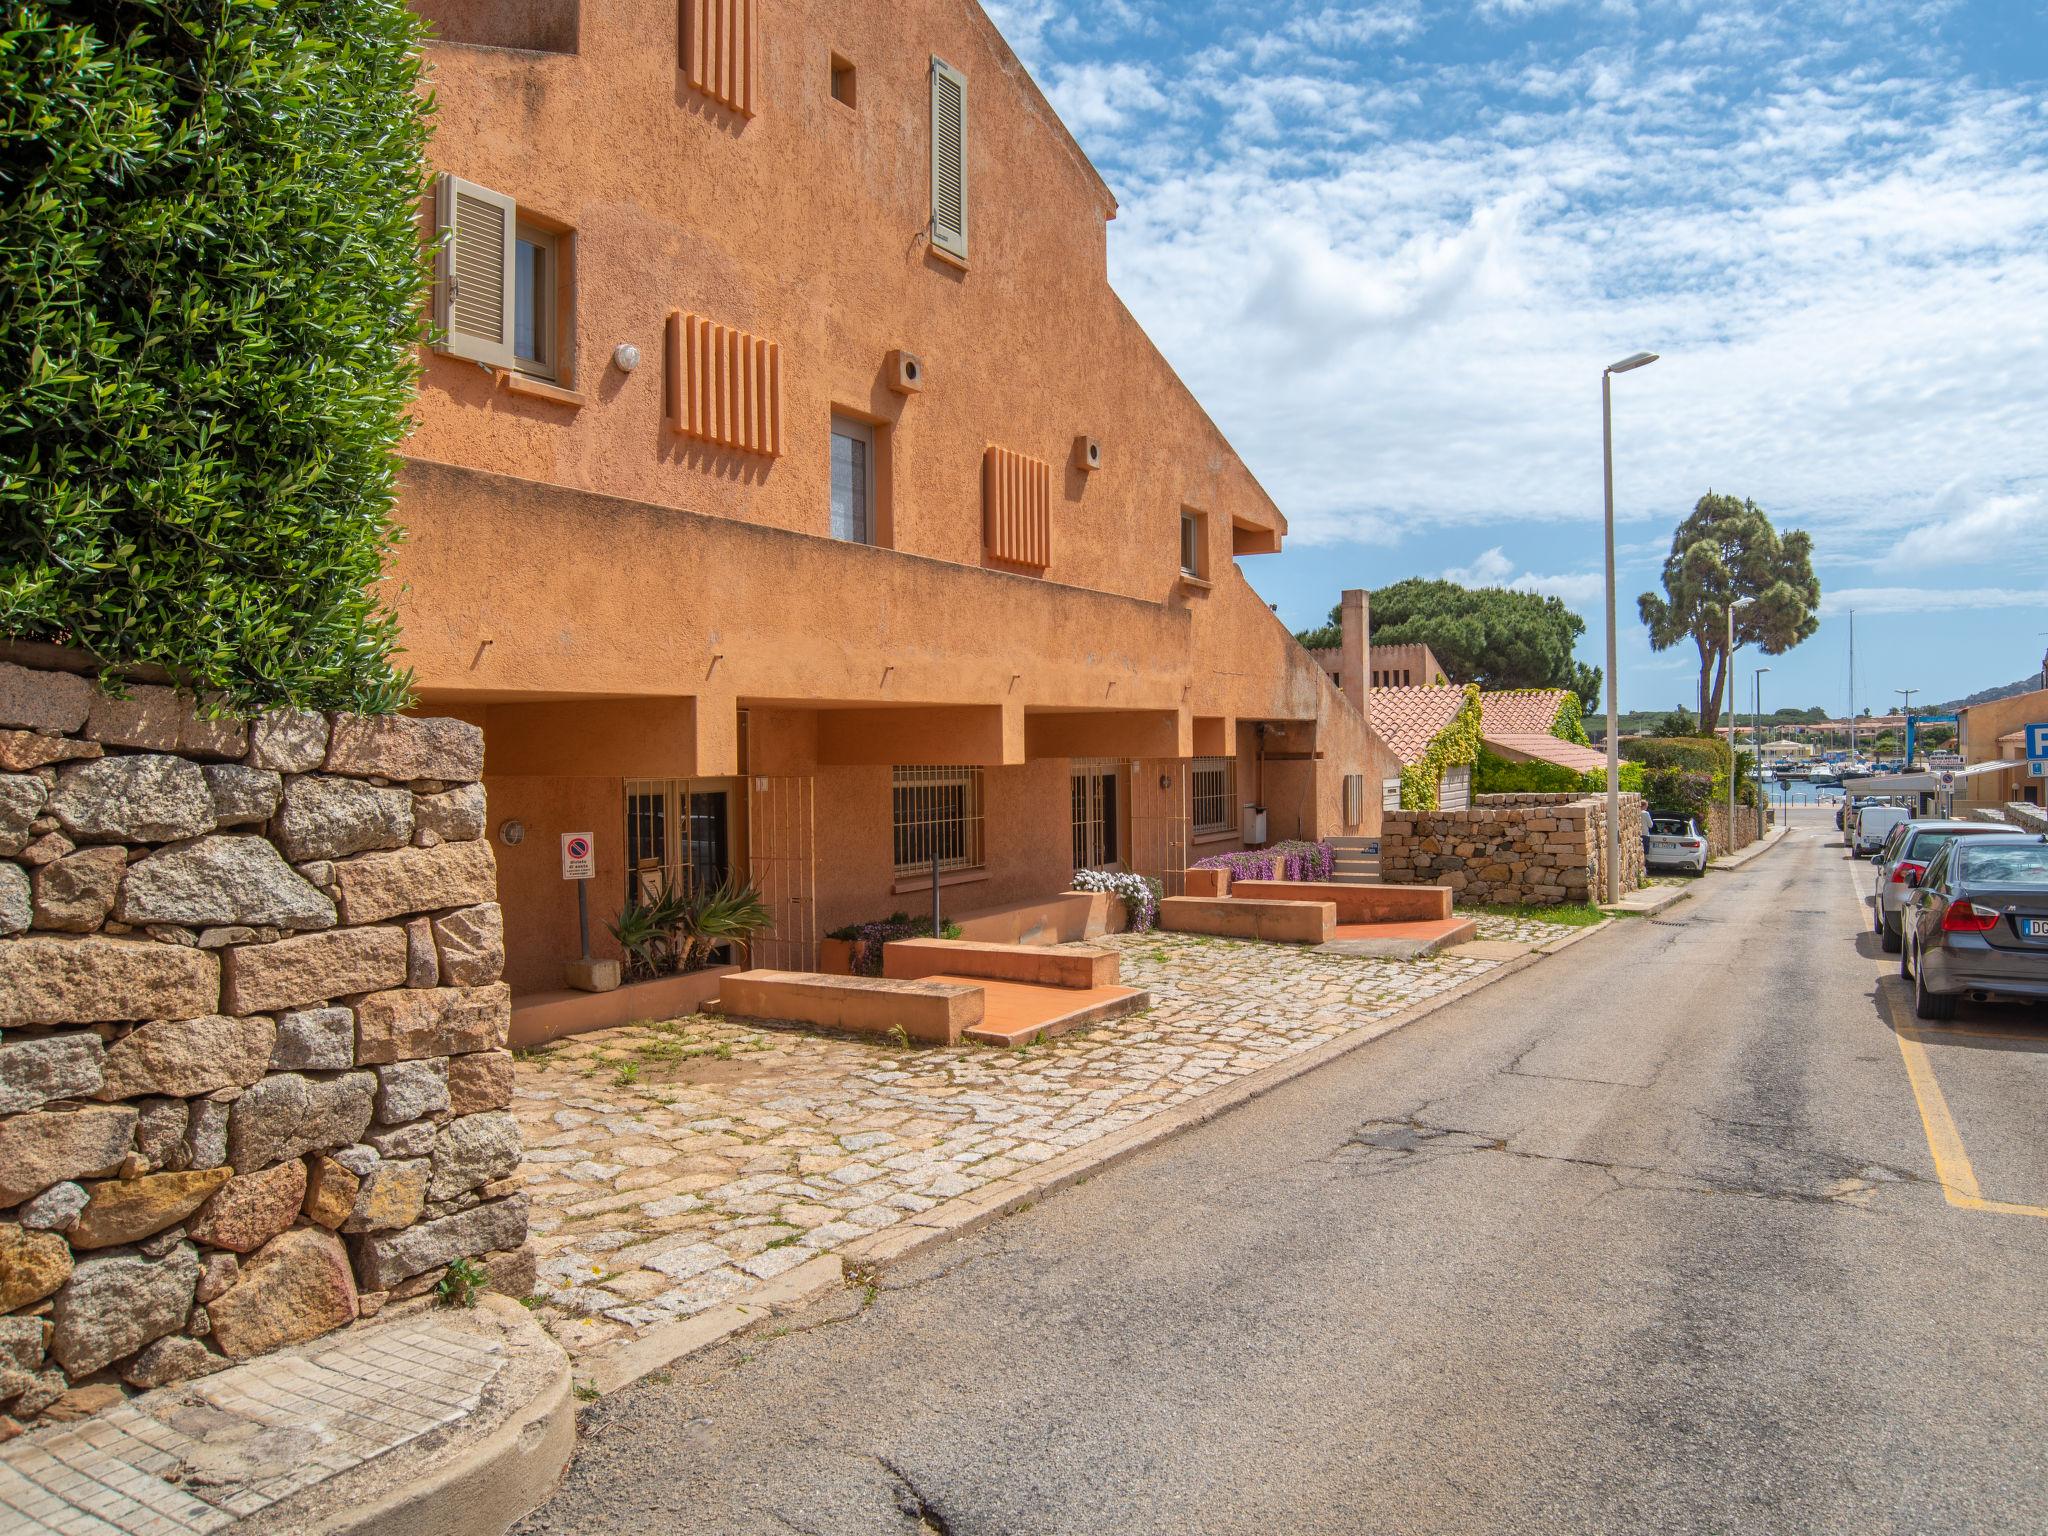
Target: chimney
(1356, 656)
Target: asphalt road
(1646, 1238)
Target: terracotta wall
(806, 225)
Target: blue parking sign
(2037, 740)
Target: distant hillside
(2026, 684)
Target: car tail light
(1900, 871)
(1968, 917)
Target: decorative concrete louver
(722, 51)
(724, 386)
(1016, 508)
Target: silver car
(1907, 852)
(1675, 842)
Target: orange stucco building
(792, 497)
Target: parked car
(1675, 842)
(1978, 923)
(1874, 824)
(1845, 818)
(1907, 852)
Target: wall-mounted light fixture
(625, 357)
(511, 833)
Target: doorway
(1098, 819)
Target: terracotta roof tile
(1532, 712)
(1550, 749)
(1408, 719)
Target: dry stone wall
(253, 1075)
(1747, 827)
(1530, 848)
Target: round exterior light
(625, 357)
(511, 833)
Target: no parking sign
(579, 858)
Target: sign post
(579, 863)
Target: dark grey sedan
(1978, 923)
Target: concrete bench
(1074, 966)
(936, 1013)
(1283, 922)
(1355, 903)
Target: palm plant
(729, 913)
(646, 931)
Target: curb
(1650, 906)
(492, 1485)
(1755, 850)
(870, 1256)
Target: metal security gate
(1159, 821)
(782, 862)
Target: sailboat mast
(1852, 685)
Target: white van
(1874, 824)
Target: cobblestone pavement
(675, 1165)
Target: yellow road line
(1952, 1167)
(1951, 1163)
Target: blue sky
(1390, 246)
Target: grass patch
(1572, 914)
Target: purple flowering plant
(1289, 860)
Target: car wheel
(1889, 938)
(1905, 957)
(1877, 916)
(1937, 1006)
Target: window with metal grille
(1214, 795)
(936, 812)
(1097, 842)
(676, 837)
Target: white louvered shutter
(949, 159)
(476, 300)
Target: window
(949, 159)
(842, 81)
(936, 813)
(1096, 832)
(533, 301)
(853, 480)
(1215, 794)
(503, 285)
(1194, 545)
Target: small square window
(843, 80)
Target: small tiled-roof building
(1523, 711)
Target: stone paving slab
(679, 1168)
(208, 1455)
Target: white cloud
(1997, 528)
(1492, 568)
(1393, 279)
(1095, 97)
(1863, 600)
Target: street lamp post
(1728, 676)
(1756, 745)
(1635, 360)
(1908, 693)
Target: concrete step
(1017, 1013)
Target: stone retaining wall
(1746, 829)
(1533, 848)
(253, 1076)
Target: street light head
(1635, 360)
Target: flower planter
(835, 957)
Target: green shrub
(210, 294)
(1455, 745)
(1707, 755)
(1497, 776)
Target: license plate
(2035, 927)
